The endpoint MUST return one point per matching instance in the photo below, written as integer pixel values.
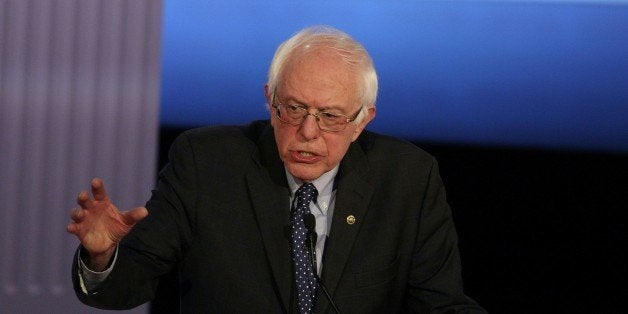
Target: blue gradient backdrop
(543, 74)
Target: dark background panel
(541, 231)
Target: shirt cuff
(89, 279)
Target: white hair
(352, 52)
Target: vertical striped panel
(79, 88)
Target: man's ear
(370, 115)
(269, 99)
(267, 94)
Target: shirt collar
(324, 184)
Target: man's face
(319, 80)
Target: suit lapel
(352, 199)
(270, 199)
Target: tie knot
(306, 193)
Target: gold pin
(350, 219)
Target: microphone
(310, 225)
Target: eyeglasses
(327, 121)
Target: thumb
(134, 215)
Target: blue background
(543, 74)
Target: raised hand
(100, 226)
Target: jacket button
(350, 219)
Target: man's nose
(309, 128)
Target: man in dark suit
(250, 216)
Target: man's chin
(305, 173)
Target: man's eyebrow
(289, 100)
(304, 105)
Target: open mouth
(305, 157)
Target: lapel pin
(350, 219)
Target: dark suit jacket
(219, 212)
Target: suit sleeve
(435, 283)
(155, 244)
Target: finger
(77, 214)
(83, 199)
(98, 190)
(73, 228)
(135, 215)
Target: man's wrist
(90, 279)
(98, 262)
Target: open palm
(99, 225)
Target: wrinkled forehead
(329, 54)
(322, 67)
